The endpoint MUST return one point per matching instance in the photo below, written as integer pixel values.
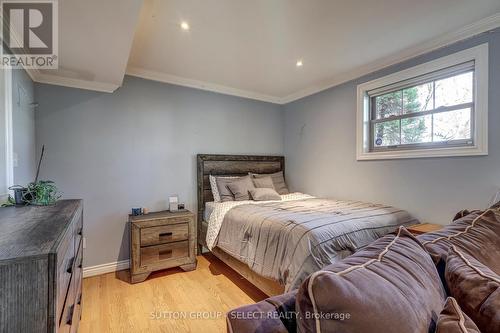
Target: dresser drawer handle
(70, 266)
(166, 234)
(165, 253)
(70, 315)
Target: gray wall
(23, 130)
(23, 124)
(137, 146)
(320, 150)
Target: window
(435, 109)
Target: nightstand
(161, 240)
(419, 229)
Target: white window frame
(479, 55)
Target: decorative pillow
(278, 181)
(390, 286)
(476, 234)
(453, 320)
(476, 288)
(224, 192)
(263, 182)
(213, 186)
(264, 194)
(240, 188)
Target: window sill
(423, 153)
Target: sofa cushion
(463, 213)
(476, 288)
(477, 234)
(453, 320)
(275, 314)
(390, 286)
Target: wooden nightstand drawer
(153, 222)
(153, 254)
(164, 234)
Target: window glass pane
(416, 130)
(386, 134)
(419, 98)
(454, 90)
(452, 125)
(389, 104)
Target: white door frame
(9, 144)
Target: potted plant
(41, 193)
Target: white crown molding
(75, 83)
(468, 31)
(202, 85)
(105, 268)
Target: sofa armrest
(275, 315)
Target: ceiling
(95, 38)
(250, 48)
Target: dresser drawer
(78, 230)
(164, 234)
(65, 266)
(68, 312)
(77, 311)
(158, 253)
(78, 269)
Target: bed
(277, 244)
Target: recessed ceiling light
(184, 25)
(299, 63)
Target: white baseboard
(105, 268)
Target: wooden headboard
(230, 165)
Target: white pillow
(215, 189)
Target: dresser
(161, 240)
(41, 267)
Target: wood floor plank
(168, 301)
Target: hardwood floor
(168, 301)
